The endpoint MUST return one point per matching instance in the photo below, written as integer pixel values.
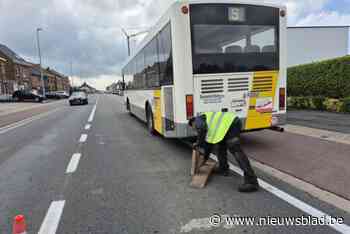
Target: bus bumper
(182, 130)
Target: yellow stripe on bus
(263, 89)
(157, 118)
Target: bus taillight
(189, 106)
(282, 98)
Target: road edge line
(26, 121)
(303, 206)
(33, 107)
(321, 194)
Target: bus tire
(128, 109)
(150, 121)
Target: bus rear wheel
(150, 122)
(128, 106)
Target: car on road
(57, 95)
(52, 95)
(78, 98)
(22, 95)
(62, 94)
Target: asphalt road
(337, 122)
(126, 180)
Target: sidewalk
(336, 122)
(13, 107)
(322, 163)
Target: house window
(17, 70)
(2, 70)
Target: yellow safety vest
(218, 125)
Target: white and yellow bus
(222, 55)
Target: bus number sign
(236, 14)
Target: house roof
(13, 56)
(85, 85)
(54, 72)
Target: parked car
(52, 95)
(21, 95)
(62, 94)
(78, 98)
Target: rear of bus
(238, 62)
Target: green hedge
(329, 78)
(320, 103)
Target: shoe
(249, 185)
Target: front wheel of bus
(150, 122)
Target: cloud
(99, 82)
(325, 18)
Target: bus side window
(165, 56)
(151, 64)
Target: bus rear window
(231, 39)
(234, 38)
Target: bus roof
(165, 18)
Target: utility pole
(41, 70)
(129, 36)
(127, 39)
(71, 73)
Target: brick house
(3, 62)
(49, 80)
(35, 77)
(17, 71)
(55, 81)
(65, 83)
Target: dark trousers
(231, 142)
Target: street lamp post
(41, 70)
(127, 39)
(129, 36)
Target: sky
(87, 33)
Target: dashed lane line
(83, 138)
(54, 213)
(342, 228)
(73, 164)
(92, 115)
(52, 218)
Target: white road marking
(52, 218)
(30, 107)
(73, 164)
(92, 114)
(203, 224)
(83, 138)
(87, 127)
(25, 122)
(311, 189)
(342, 228)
